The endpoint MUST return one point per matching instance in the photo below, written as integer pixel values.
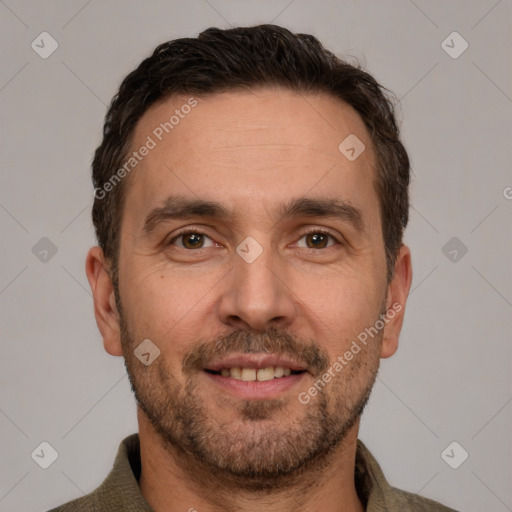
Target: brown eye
(317, 240)
(191, 240)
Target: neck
(172, 480)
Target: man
(251, 192)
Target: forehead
(249, 149)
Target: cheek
(341, 306)
(161, 308)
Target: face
(252, 258)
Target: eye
(191, 240)
(317, 239)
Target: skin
(250, 151)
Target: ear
(398, 290)
(105, 310)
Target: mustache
(272, 341)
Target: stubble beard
(264, 449)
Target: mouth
(255, 376)
(250, 374)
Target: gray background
(449, 381)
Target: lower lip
(255, 389)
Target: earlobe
(398, 290)
(105, 309)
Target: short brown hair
(264, 55)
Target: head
(235, 227)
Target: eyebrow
(180, 207)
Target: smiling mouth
(249, 374)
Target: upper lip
(256, 361)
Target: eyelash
(190, 231)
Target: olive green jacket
(120, 490)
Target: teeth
(253, 374)
(265, 374)
(278, 372)
(248, 374)
(236, 373)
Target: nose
(257, 295)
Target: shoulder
(409, 502)
(120, 489)
(379, 495)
